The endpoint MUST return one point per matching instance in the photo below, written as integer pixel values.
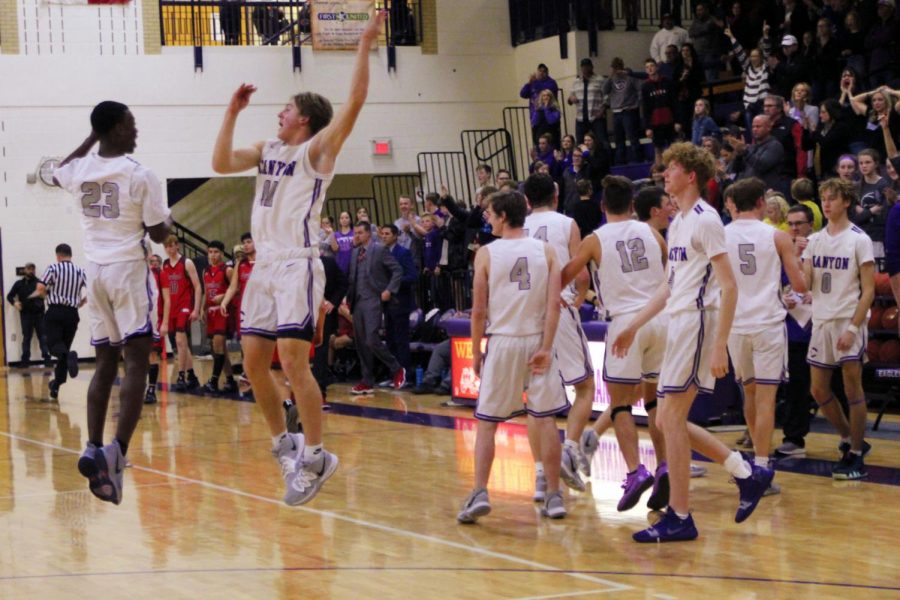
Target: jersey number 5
(100, 200)
(520, 274)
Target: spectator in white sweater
(669, 35)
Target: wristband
(853, 329)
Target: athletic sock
(571, 444)
(539, 468)
(680, 515)
(287, 403)
(153, 375)
(311, 453)
(761, 461)
(737, 466)
(845, 440)
(856, 452)
(218, 363)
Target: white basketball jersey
(116, 198)
(694, 238)
(631, 266)
(555, 229)
(757, 271)
(517, 296)
(835, 263)
(288, 201)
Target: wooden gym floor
(202, 516)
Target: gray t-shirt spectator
(622, 92)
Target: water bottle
(420, 375)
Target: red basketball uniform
(181, 294)
(215, 280)
(243, 274)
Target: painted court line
(569, 594)
(611, 586)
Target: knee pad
(617, 410)
(648, 406)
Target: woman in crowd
(830, 139)
(703, 125)
(342, 241)
(545, 118)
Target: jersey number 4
(100, 200)
(519, 274)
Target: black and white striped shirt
(64, 283)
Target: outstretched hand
(375, 26)
(241, 98)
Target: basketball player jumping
(281, 302)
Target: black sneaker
(230, 387)
(48, 362)
(844, 448)
(72, 364)
(192, 382)
(150, 397)
(850, 468)
(180, 384)
(212, 386)
(54, 389)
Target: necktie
(362, 255)
(585, 117)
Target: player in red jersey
(231, 304)
(216, 279)
(162, 313)
(180, 275)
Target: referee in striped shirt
(63, 287)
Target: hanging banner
(338, 24)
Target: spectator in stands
(763, 158)
(871, 212)
(669, 35)
(881, 44)
(790, 134)
(657, 100)
(803, 191)
(230, 20)
(881, 105)
(827, 62)
(705, 34)
(790, 71)
(688, 87)
(434, 381)
(543, 152)
(853, 46)
(571, 177)
(807, 115)
(829, 139)
(431, 256)
(478, 230)
(484, 173)
(342, 241)
(703, 125)
(586, 212)
(776, 211)
(671, 7)
(396, 314)
(268, 21)
(433, 208)
(850, 85)
(503, 175)
(589, 100)
(632, 11)
(564, 154)
(623, 93)
(846, 168)
(741, 25)
(326, 231)
(596, 162)
(537, 82)
(405, 222)
(756, 76)
(545, 118)
(671, 63)
(794, 17)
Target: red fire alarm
(381, 147)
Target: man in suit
(396, 315)
(375, 277)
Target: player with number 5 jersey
(119, 201)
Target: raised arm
(327, 143)
(858, 103)
(225, 159)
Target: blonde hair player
(699, 297)
(839, 264)
(281, 301)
